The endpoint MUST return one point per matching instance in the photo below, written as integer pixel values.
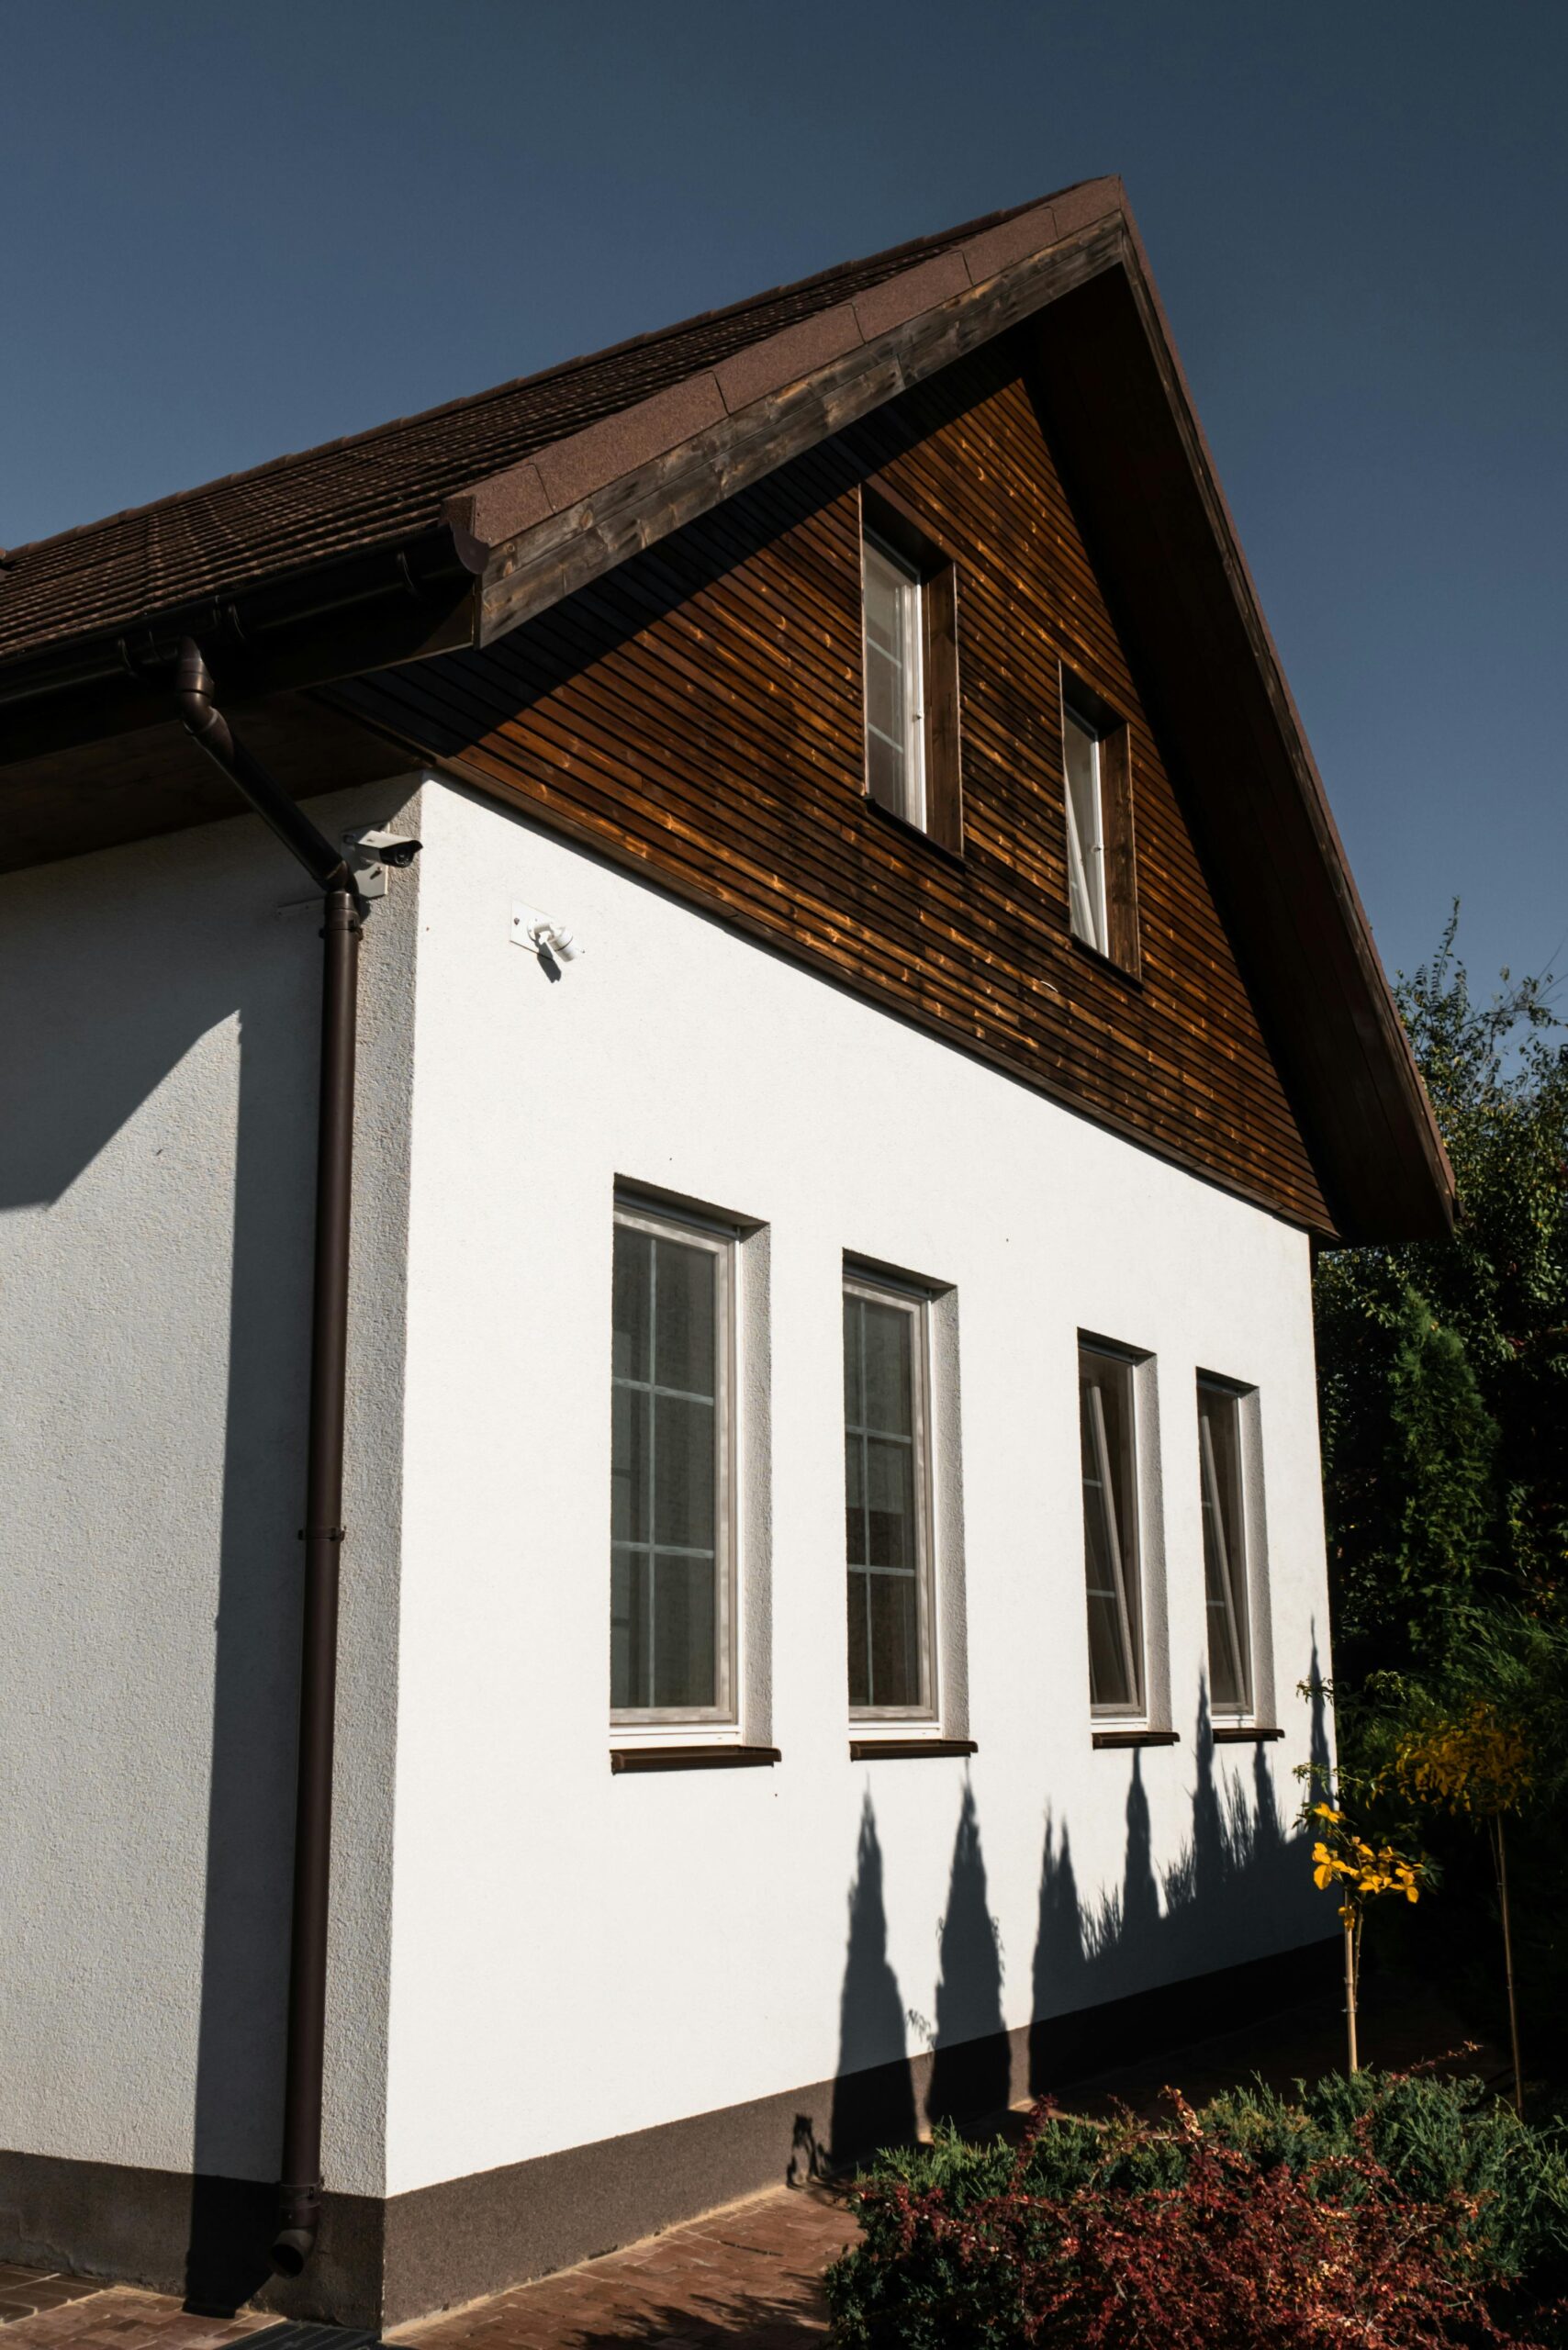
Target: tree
(1444, 1365)
(1443, 1379)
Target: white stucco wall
(158, 1055)
(575, 1955)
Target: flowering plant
(1342, 1858)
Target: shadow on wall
(249, 1855)
(94, 1053)
(1218, 1903)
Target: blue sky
(231, 230)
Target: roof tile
(578, 424)
(783, 358)
(882, 308)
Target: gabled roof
(387, 485)
(452, 528)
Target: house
(783, 1314)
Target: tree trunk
(1499, 1856)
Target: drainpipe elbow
(192, 693)
(300, 2216)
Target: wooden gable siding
(697, 713)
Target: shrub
(1391, 2211)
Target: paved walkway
(746, 2278)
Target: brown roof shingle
(389, 485)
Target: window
(895, 714)
(1111, 1531)
(672, 1546)
(910, 602)
(887, 1487)
(1101, 904)
(1085, 834)
(1225, 1547)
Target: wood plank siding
(696, 713)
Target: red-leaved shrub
(1228, 2256)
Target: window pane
(1110, 1530)
(884, 772)
(1085, 831)
(1225, 1555)
(683, 1473)
(894, 1639)
(631, 1465)
(634, 1282)
(895, 724)
(685, 1656)
(884, 1499)
(886, 1358)
(890, 1505)
(683, 1321)
(664, 1474)
(629, 1677)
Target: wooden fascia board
(1386, 1038)
(555, 555)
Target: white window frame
(913, 633)
(1088, 906)
(917, 1304)
(721, 1241)
(1134, 1621)
(1237, 1573)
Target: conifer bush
(1391, 2211)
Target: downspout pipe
(299, 2192)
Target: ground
(747, 2277)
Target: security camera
(390, 848)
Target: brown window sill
(1103, 961)
(1136, 1738)
(872, 1749)
(690, 1757)
(954, 857)
(1242, 1734)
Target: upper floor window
(1225, 1547)
(1098, 806)
(887, 1492)
(1107, 1440)
(1085, 831)
(895, 707)
(672, 1536)
(910, 605)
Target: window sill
(1135, 1737)
(900, 824)
(691, 1758)
(872, 1749)
(1104, 962)
(1242, 1734)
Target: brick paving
(747, 2277)
(92, 2316)
(26, 2292)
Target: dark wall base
(382, 2263)
(207, 2239)
(469, 2236)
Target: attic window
(909, 606)
(1097, 809)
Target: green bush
(967, 2244)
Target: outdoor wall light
(552, 941)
